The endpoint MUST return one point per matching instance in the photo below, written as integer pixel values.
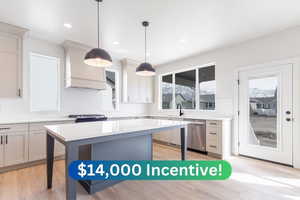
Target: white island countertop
(80, 131)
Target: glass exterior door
(265, 120)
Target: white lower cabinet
(13, 144)
(175, 137)
(214, 136)
(59, 149)
(168, 136)
(37, 145)
(1, 152)
(15, 148)
(21, 143)
(37, 141)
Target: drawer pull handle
(213, 124)
(213, 146)
(2, 129)
(212, 133)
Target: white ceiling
(177, 28)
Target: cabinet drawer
(212, 131)
(212, 144)
(13, 128)
(213, 123)
(212, 148)
(40, 125)
(212, 141)
(211, 137)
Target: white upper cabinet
(11, 42)
(78, 74)
(136, 89)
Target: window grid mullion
(197, 97)
(174, 90)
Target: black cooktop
(88, 117)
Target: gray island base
(108, 140)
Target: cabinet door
(9, 64)
(15, 148)
(9, 75)
(156, 136)
(132, 86)
(175, 136)
(1, 152)
(143, 90)
(37, 145)
(59, 149)
(149, 89)
(145, 86)
(164, 136)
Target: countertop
(46, 118)
(175, 117)
(32, 119)
(72, 132)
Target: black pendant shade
(145, 69)
(98, 57)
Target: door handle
(212, 133)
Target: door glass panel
(263, 111)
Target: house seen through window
(186, 93)
(185, 84)
(167, 92)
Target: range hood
(78, 74)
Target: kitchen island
(107, 140)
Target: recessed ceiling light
(67, 25)
(116, 43)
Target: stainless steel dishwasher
(197, 136)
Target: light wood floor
(251, 179)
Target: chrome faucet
(180, 110)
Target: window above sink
(192, 89)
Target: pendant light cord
(145, 43)
(98, 25)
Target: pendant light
(145, 69)
(98, 57)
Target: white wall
(272, 48)
(283, 45)
(73, 100)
